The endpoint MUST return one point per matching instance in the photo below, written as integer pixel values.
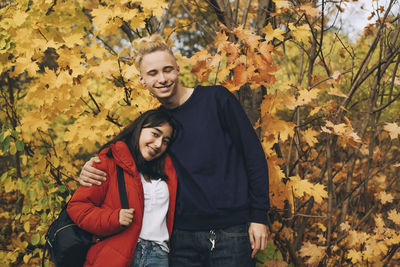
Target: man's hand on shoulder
(258, 237)
(90, 175)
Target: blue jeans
(149, 254)
(194, 249)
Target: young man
(222, 201)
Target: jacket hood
(123, 157)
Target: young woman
(137, 236)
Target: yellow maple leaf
(314, 252)
(300, 33)
(394, 216)
(277, 128)
(73, 39)
(19, 18)
(393, 129)
(301, 187)
(355, 256)
(306, 96)
(271, 33)
(309, 10)
(309, 136)
(282, 3)
(345, 226)
(101, 16)
(154, 5)
(24, 63)
(222, 74)
(385, 197)
(315, 110)
(335, 91)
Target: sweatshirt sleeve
(86, 210)
(237, 124)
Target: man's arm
(90, 175)
(243, 135)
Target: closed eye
(168, 69)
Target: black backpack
(67, 243)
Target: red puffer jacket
(96, 209)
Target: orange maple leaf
(278, 192)
(266, 50)
(239, 78)
(201, 71)
(221, 40)
(247, 36)
(232, 52)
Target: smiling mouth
(153, 151)
(164, 87)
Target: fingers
(90, 175)
(252, 241)
(258, 237)
(256, 247)
(264, 241)
(86, 181)
(126, 216)
(89, 168)
(95, 159)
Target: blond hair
(147, 45)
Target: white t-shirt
(156, 202)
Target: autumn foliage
(326, 109)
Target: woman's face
(154, 141)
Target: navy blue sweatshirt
(221, 167)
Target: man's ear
(141, 80)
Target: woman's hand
(91, 176)
(126, 216)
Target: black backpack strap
(122, 189)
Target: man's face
(159, 72)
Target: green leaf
(14, 133)
(35, 239)
(20, 145)
(6, 144)
(61, 189)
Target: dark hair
(130, 135)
